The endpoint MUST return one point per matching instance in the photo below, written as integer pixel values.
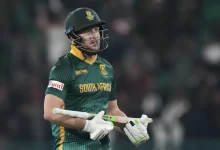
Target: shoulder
(104, 61)
(64, 60)
(63, 65)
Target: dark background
(166, 54)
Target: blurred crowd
(166, 54)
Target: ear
(72, 41)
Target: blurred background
(166, 54)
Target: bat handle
(150, 120)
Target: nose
(94, 34)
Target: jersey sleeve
(59, 79)
(113, 94)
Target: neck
(89, 56)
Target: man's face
(91, 39)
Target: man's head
(85, 29)
(91, 38)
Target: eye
(96, 29)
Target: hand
(144, 121)
(136, 131)
(97, 127)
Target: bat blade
(76, 114)
(116, 120)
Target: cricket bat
(116, 120)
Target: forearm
(117, 112)
(52, 102)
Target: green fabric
(86, 88)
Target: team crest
(103, 70)
(89, 15)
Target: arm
(52, 101)
(114, 110)
(59, 80)
(136, 131)
(97, 131)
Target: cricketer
(81, 80)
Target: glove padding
(97, 127)
(144, 120)
(136, 130)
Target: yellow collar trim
(76, 52)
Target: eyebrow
(92, 29)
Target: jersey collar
(76, 52)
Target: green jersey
(84, 85)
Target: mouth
(94, 46)
(94, 43)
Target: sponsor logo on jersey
(92, 87)
(103, 70)
(79, 72)
(56, 84)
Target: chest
(92, 79)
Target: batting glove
(136, 130)
(144, 120)
(97, 127)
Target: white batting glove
(144, 120)
(136, 131)
(97, 127)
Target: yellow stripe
(62, 134)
